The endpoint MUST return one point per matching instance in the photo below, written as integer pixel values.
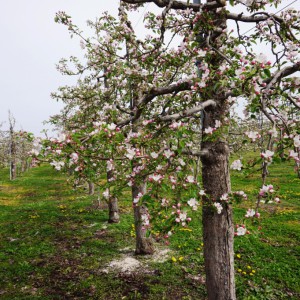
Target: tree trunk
(218, 230)
(113, 208)
(91, 188)
(13, 164)
(144, 244)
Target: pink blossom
(294, 155)
(267, 155)
(253, 135)
(155, 177)
(266, 189)
(190, 179)
(209, 130)
(277, 200)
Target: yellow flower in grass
(240, 270)
(33, 216)
(180, 258)
(238, 255)
(174, 259)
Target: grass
(54, 244)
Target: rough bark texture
(218, 230)
(144, 244)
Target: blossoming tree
(159, 98)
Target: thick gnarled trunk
(144, 244)
(218, 229)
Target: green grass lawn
(54, 244)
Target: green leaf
(267, 72)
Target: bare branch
(257, 17)
(154, 92)
(280, 74)
(188, 112)
(179, 4)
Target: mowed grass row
(55, 244)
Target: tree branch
(280, 74)
(154, 92)
(258, 17)
(188, 112)
(179, 4)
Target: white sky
(31, 44)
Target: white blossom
(219, 207)
(190, 179)
(193, 203)
(130, 153)
(297, 141)
(241, 231)
(250, 213)
(112, 126)
(57, 164)
(106, 194)
(168, 153)
(236, 165)
(154, 155)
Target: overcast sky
(31, 44)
